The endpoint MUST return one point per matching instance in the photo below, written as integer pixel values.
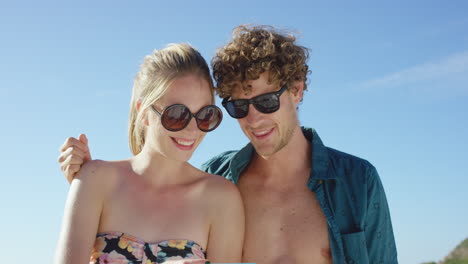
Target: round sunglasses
(265, 103)
(177, 116)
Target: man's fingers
(70, 172)
(68, 143)
(70, 164)
(74, 160)
(72, 169)
(71, 151)
(87, 157)
(73, 142)
(69, 161)
(74, 152)
(84, 140)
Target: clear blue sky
(389, 83)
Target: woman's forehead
(190, 91)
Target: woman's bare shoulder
(219, 189)
(101, 172)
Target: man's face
(268, 133)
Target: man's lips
(263, 133)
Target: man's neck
(285, 165)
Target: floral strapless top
(121, 248)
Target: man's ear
(297, 91)
(144, 117)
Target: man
(304, 202)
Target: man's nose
(253, 115)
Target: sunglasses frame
(192, 115)
(252, 102)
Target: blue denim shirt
(350, 194)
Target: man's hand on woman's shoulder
(73, 153)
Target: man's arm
(81, 217)
(381, 246)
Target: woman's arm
(82, 213)
(226, 237)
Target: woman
(156, 207)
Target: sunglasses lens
(175, 117)
(209, 118)
(237, 108)
(267, 103)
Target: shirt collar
(320, 158)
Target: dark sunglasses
(265, 103)
(177, 116)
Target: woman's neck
(158, 169)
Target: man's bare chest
(284, 226)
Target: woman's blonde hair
(157, 72)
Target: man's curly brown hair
(255, 49)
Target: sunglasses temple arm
(156, 111)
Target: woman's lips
(184, 144)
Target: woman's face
(191, 91)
